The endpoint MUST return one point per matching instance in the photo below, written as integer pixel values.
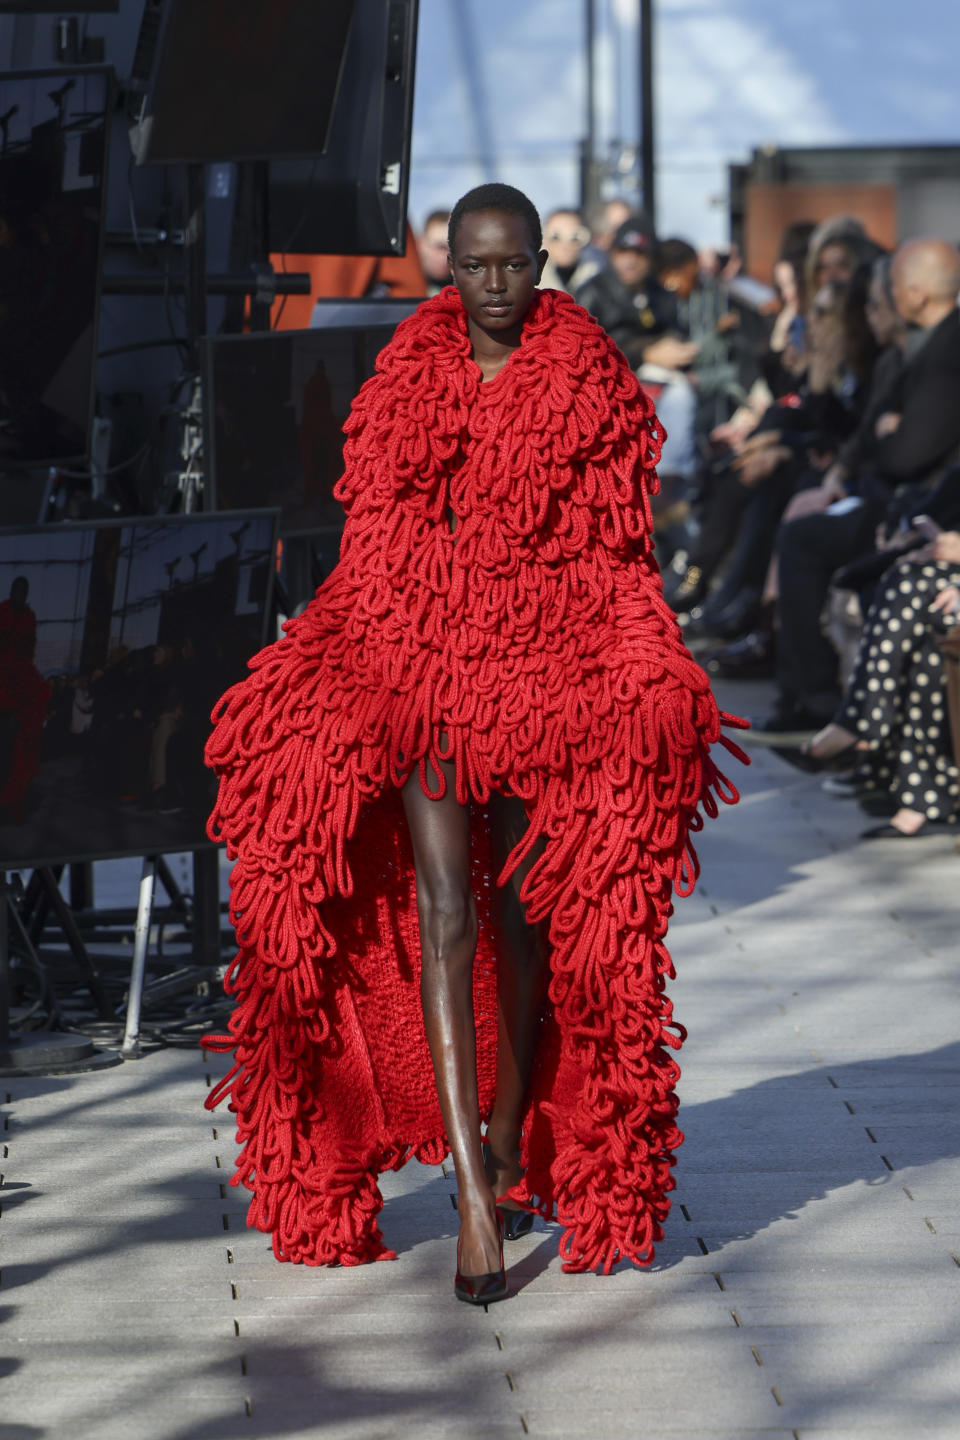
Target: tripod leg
(75, 940)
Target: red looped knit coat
(531, 646)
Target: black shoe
(803, 758)
(688, 591)
(482, 1289)
(877, 802)
(516, 1223)
(893, 832)
(734, 617)
(752, 656)
(788, 717)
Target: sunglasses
(559, 237)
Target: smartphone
(926, 527)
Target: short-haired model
(459, 793)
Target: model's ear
(542, 259)
(450, 263)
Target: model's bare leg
(440, 831)
(521, 978)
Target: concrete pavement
(808, 1288)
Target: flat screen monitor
(276, 404)
(53, 154)
(352, 199)
(50, 7)
(116, 640)
(239, 80)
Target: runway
(808, 1288)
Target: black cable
(166, 340)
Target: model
(459, 793)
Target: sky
(500, 91)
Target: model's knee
(448, 922)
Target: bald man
(916, 436)
(922, 427)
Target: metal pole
(4, 965)
(141, 941)
(588, 195)
(647, 175)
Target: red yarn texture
(532, 647)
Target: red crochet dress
(532, 647)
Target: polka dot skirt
(896, 699)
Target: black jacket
(633, 321)
(927, 399)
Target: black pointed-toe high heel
(482, 1289)
(517, 1223)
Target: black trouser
(757, 535)
(724, 502)
(810, 549)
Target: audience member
(785, 454)
(433, 250)
(893, 717)
(564, 236)
(605, 219)
(914, 439)
(642, 317)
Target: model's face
(496, 270)
(632, 266)
(432, 248)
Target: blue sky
(505, 78)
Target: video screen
(116, 640)
(276, 407)
(53, 143)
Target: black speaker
(217, 80)
(50, 7)
(352, 200)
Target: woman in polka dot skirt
(895, 708)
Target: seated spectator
(914, 439)
(893, 717)
(642, 318)
(629, 302)
(564, 237)
(778, 362)
(678, 268)
(836, 248)
(433, 250)
(786, 454)
(604, 220)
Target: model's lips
(497, 307)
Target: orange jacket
(346, 277)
